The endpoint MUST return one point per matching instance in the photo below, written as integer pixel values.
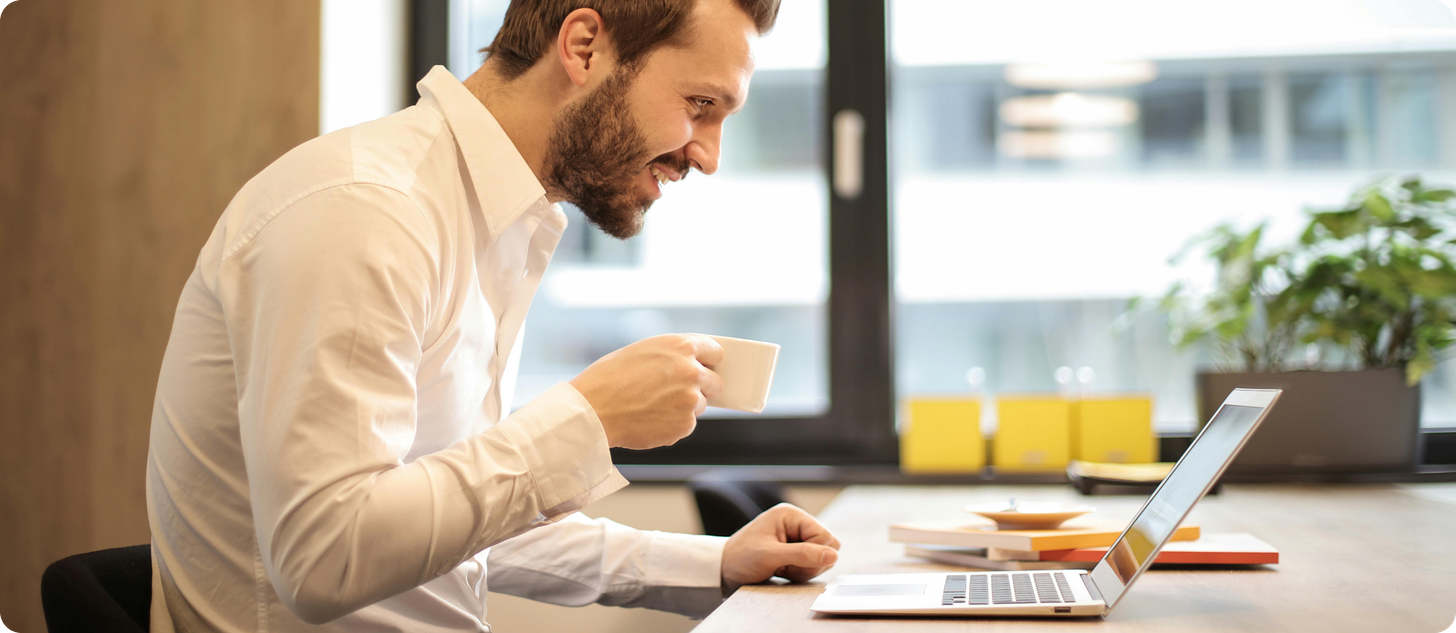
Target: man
(332, 444)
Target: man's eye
(702, 103)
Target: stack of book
(1077, 545)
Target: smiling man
(333, 443)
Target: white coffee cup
(747, 371)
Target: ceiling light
(1081, 75)
(1057, 144)
(1068, 109)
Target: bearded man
(333, 444)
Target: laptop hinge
(1092, 589)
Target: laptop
(1072, 592)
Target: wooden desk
(1352, 558)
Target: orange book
(1075, 534)
(1208, 549)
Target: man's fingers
(800, 526)
(805, 555)
(702, 406)
(801, 562)
(800, 574)
(708, 351)
(709, 382)
(815, 532)
(824, 538)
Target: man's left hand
(784, 541)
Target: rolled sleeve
(565, 450)
(580, 561)
(685, 572)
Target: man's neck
(523, 109)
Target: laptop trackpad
(860, 591)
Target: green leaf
(1434, 284)
(1378, 206)
(1433, 195)
(1341, 224)
(1419, 228)
(1309, 236)
(1423, 362)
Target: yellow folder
(1033, 434)
(942, 435)
(1114, 430)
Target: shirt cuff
(565, 450)
(685, 571)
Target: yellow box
(1033, 434)
(942, 435)
(1114, 430)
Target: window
(1007, 212)
(744, 253)
(361, 61)
(713, 257)
(1037, 192)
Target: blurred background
(1038, 164)
(1033, 192)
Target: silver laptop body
(1067, 592)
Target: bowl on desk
(1028, 516)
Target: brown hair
(637, 26)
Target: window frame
(858, 427)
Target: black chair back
(726, 504)
(107, 591)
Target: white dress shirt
(330, 444)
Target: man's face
(614, 150)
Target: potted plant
(1368, 293)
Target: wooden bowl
(1028, 516)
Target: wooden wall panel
(45, 353)
(125, 128)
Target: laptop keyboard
(1011, 588)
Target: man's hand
(784, 541)
(650, 393)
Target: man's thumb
(808, 555)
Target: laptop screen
(1183, 487)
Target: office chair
(107, 591)
(727, 503)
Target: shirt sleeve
(579, 561)
(327, 310)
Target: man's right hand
(650, 393)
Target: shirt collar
(503, 182)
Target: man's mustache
(677, 164)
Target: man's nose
(703, 150)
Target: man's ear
(582, 45)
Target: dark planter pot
(1326, 421)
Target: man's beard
(596, 155)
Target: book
(1151, 474)
(963, 533)
(976, 557)
(1210, 549)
